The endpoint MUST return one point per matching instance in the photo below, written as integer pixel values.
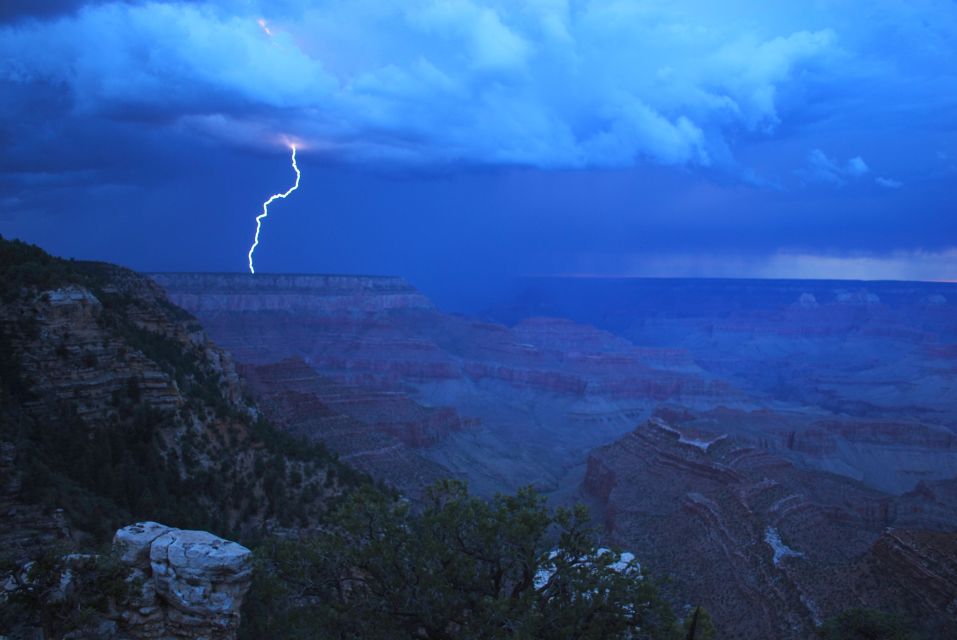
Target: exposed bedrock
(793, 363)
(191, 583)
(377, 431)
(769, 547)
(395, 381)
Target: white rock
(70, 294)
(781, 551)
(132, 542)
(197, 572)
(191, 584)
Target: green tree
(459, 568)
(699, 626)
(62, 593)
(865, 624)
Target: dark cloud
(14, 10)
(434, 82)
(556, 133)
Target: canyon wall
(770, 548)
(772, 446)
(409, 392)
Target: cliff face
(768, 547)
(83, 353)
(115, 404)
(204, 293)
(383, 442)
(917, 571)
(501, 406)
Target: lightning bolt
(272, 198)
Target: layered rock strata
(770, 548)
(395, 380)
(189, 584)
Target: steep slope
(769, 547)
(117, 407)
(500, 406)
(375, 432)
(505, 406)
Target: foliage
(13, 385)
(461, 567)
(458, 567)
(866, 624)
(180, 468)
(24, 265)
(64, 592)
(107, 477)
(699, 625)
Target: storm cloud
(544, 84)
(608, 128)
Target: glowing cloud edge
(265, 213)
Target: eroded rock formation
(371, 367)
(190, 584)
(771, 548)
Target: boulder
(199, 573)
(132, 543)
(191, 584)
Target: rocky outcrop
(770, 547)
(189, 584)
(394, 380)
(223, 292)
(114, 405)
(84, 347)
(917, 569)
(378, 432)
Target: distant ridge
(211, 292)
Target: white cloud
(544, 83)
(889, 183)
(892, 265)
(856, 166)
(492, 45)
(822, 169)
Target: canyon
(777, 447)
(765, 449)
(115, 405)
(764, 542)
(405, 391)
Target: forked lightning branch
(265, 213)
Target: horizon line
(559, 276)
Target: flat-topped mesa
(203, 293)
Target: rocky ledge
(190, 584)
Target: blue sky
(461, 140)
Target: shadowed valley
(784, 449)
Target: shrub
(462, 568)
